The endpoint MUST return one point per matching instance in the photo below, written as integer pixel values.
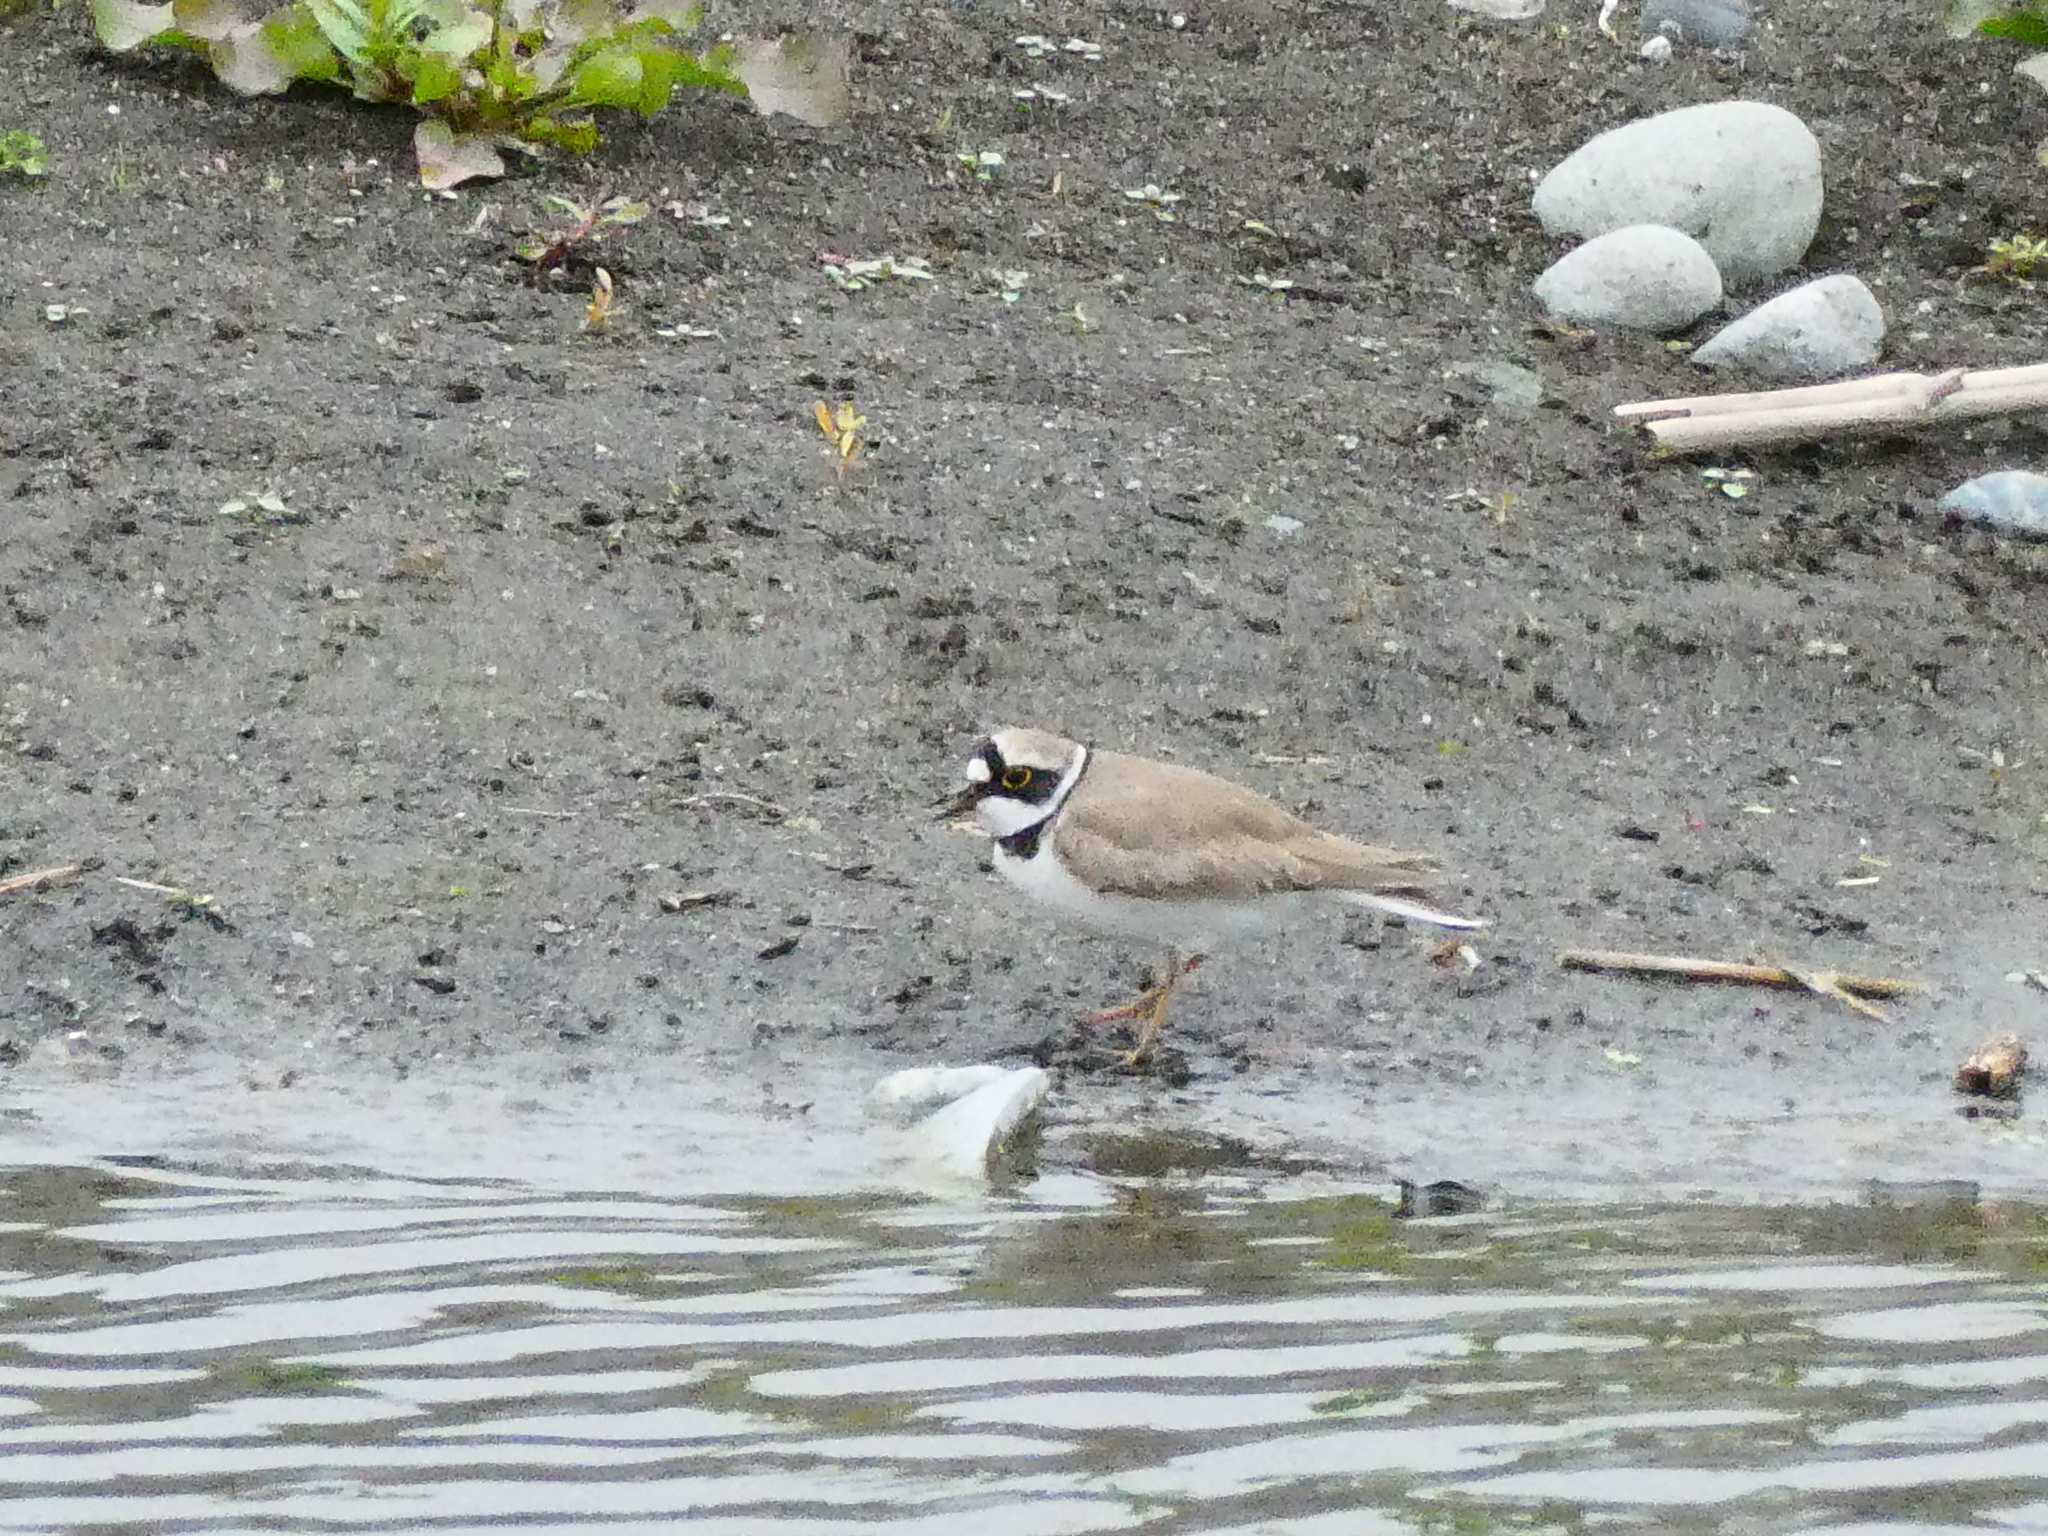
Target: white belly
(1193, 927)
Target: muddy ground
(553, 626)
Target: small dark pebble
(1636, 834)
(441, 985)
(779, 948)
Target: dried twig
(1886, 402)
(1850, 990)
(193, 905)
(35, 877)
(733, 796)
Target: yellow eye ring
(1015, 779)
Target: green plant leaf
(23, 153)
(346, 26)
(124, 24)
(509, 81)
(715, 69)
(2029, 27)
(624, 211)
(391, 23)
(1962, 17)
(295, 38)
(660, 69)
(577, 135)
(572, 21)
(250, 62)
(435, 77)
(458, 31)
(611, 77)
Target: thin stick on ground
(1886, 402)
(1850, 990)
(190, 901)
(734, 797)
(36, 877)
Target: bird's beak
(960, 804)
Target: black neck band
(1024, 844)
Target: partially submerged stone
(958, 1120)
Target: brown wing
(1142, 828)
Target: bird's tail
(1414, 911)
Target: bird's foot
(1146, 1002)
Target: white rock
(1826, 327)
(1742, 176)
(978, 1110)
(2010, 500)
(1643, 278)
(918, 1090)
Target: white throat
(1001, 817)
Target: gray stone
(1704, 23)
(1823, 328)
(1742, 176)
(1643, 278)
(1508, 385)
(2009, 500)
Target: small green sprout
(23, 154)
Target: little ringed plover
(1132, 848)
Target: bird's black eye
(1015, 779)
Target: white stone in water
(1643, 278)
(1742, 176)
(1830, 326)
(978, 1109)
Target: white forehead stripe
(977, 770)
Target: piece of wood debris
(689, 901)
(37, 877)
(191, 903)
(1848, 990)
(1994, 1069)
(1886, 402)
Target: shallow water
(230, 1335)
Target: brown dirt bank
(543, 606)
